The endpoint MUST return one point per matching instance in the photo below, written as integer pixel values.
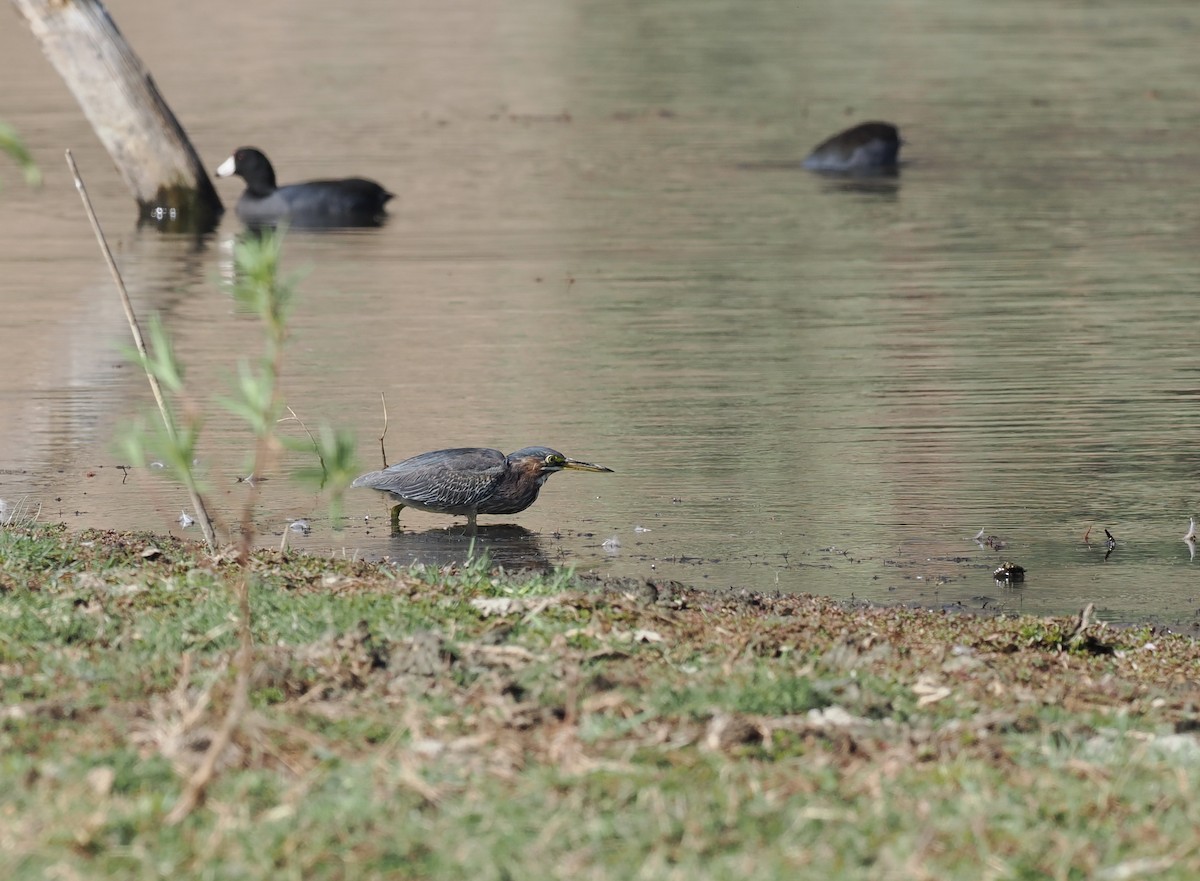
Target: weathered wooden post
(128, 114)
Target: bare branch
(383, 434)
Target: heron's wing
(442, 479)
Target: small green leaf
(12, 144)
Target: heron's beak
(576, 465)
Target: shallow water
(601, 243)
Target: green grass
(398, 731)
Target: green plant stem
(264, 451)
(197, 500)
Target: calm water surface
(601, 243)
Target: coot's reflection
(508, 545)
(881, 182)
(884, 183)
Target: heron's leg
(396, 519)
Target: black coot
(352, 201)
(870, 147)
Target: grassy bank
(459, 724)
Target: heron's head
(541, 462)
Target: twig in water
(197, 502)
(316, 446)
(383, 434)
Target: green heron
(470, 480)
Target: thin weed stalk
(206, 526)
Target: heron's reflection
(508, 545)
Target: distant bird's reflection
(884, 184)
(508, 545)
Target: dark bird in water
(1009, 572)
(352, 201)
(470, 481)
(870, 147)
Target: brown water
(601, 244)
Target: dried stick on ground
(197, 502)
(193, 792)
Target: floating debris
(184, 520)
(1191, 533)
(641, 529)
(300, 526)
(157, 464)
(1009, 572)
(611, 545)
